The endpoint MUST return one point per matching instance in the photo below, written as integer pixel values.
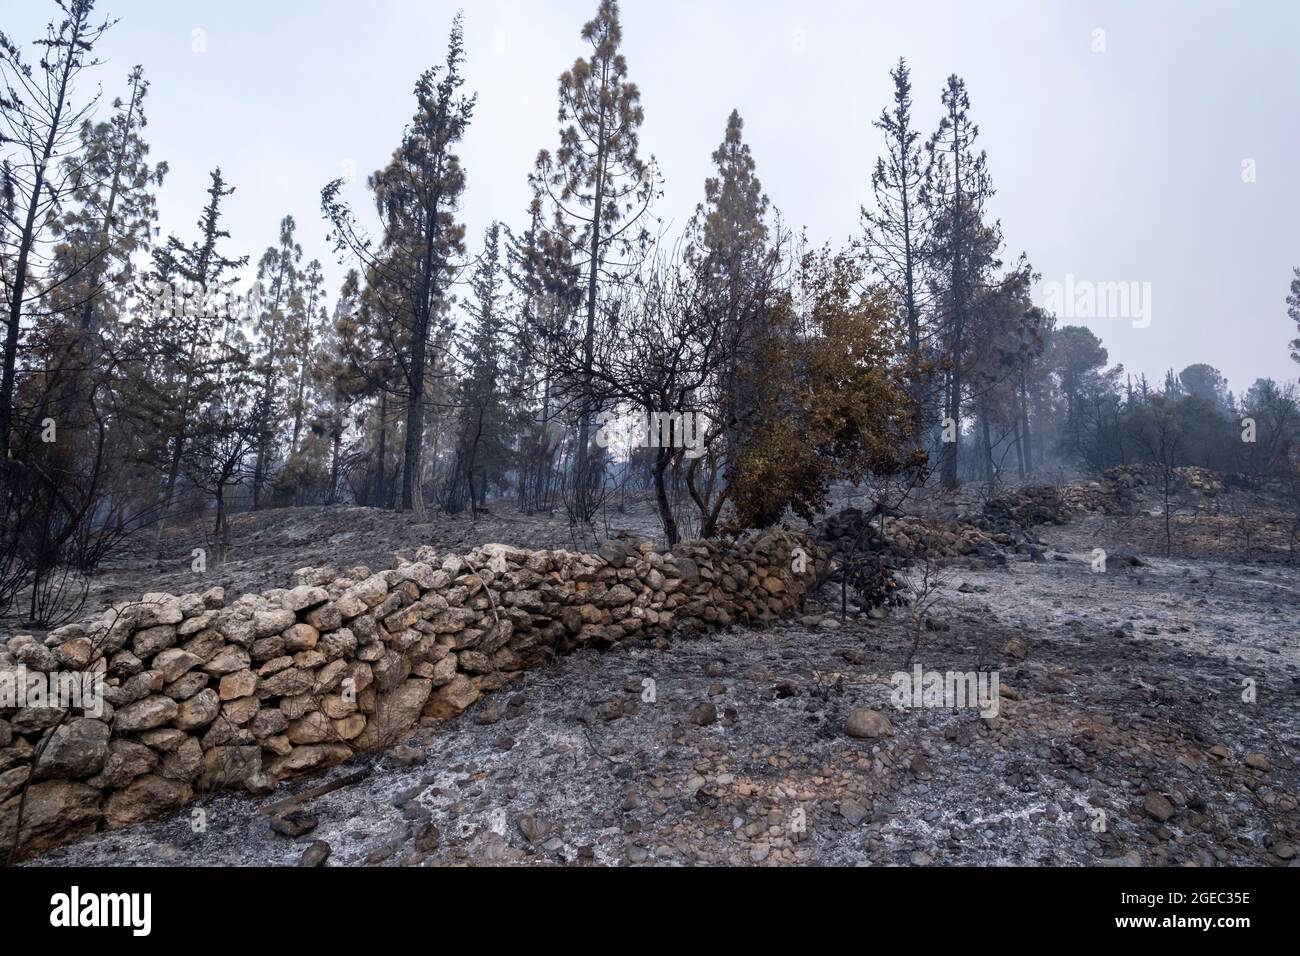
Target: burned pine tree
(736, 260)
(278, 277)
(417, 196)
(963, 253)
(897, 237)
(40, 124)
(600, 190)
(182, 337)
(547, 283)
(485, 423)
(77, 206)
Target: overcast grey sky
(1123, 165)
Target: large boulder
(56, 811)
(174, 663)
(304, 596)
(396, 712)
(144, 714)
(230, 767)
(452, 699)
(126, 761)
(147, 797)
(199, 711)
(77, 749)
(299, 760)
(866, 724)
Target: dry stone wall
(202, 695)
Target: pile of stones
(1152, 476)
(871, 555)
(903, 540)
(1023, 508)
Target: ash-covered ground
(266, 547)
(1148, 716)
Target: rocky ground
(1128, 731)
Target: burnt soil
(1123, 736)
